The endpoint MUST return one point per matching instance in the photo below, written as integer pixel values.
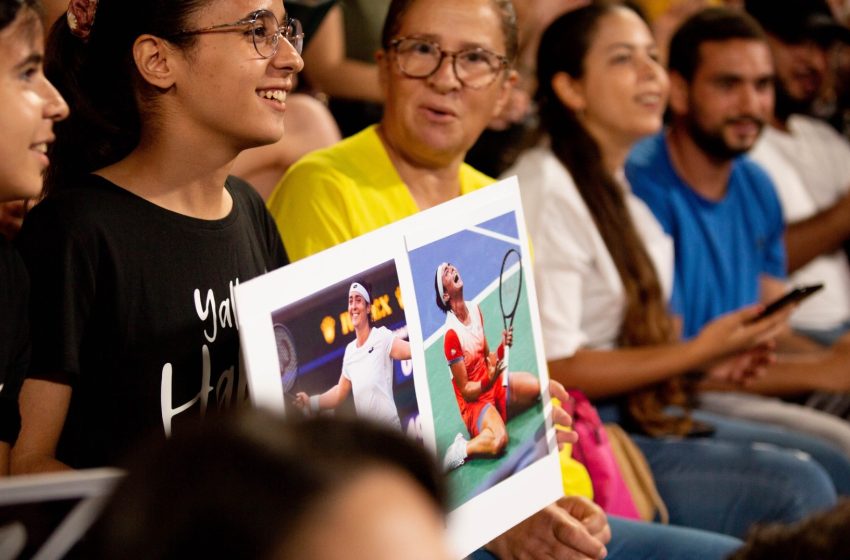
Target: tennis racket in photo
(287, 357)
(510, 286)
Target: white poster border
(498, 508)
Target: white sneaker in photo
(455, 454)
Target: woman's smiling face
(624, 88)
(225, 88)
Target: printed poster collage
(407, 326)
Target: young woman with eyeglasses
(134, 252)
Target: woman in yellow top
(445, 75)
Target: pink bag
(594, 451)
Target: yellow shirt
(656, 8)
(346, 190)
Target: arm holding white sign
(572, 527)
(44, 407)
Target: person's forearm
(790, 342)
(5, 449)
(820, 234)
(330, 398)
(606, 373)
(472, 390)
(795, 374)
(802, 365)
(44, 406)
(327, 66)
(35, 464)
(350, 79)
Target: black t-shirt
(132, 305)
(14, 337)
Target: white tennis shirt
(370, 370)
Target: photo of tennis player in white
(476, 373)
(367, 366)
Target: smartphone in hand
(797, 294)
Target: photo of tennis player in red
(367, 365)
(484, 399)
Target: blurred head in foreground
(256, 486)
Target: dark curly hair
(823, 536)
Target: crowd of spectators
(681, 164)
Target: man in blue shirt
(719, 206)
(723, 213)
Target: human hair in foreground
(564, 47)
(822, 536)
(252, 486)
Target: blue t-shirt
(723, 247)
